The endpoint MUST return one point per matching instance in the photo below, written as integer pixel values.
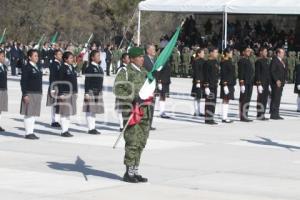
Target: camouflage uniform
(126, 88)
(175, 61)
(117, 54)
(186, 61)
(291, 63)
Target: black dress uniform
(211, 78)
(197, 67)
(3, 90)
(278, 72)
(262, 78)
(246, 78)
(164, 78)
(297, 85)
(45, 57)
(93, 87)
(228, 78)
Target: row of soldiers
(269, 77)
(181, 62)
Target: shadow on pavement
(81, 167)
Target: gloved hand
(260, 89)
(298, 87)
(159, 86)
(198, 85)
(270, 88)
(207, 91)
(243, 89)
(226, 90)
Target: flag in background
(2, 39)
(54, 38)
(149, 86)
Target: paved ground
(184, 159)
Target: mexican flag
(54, 38)
(2, 38)
(148, 88)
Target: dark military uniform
(197, 67)
(3, 90)
(211, 78)
(246, 78)
(297, 85)
(262, 78)
(228, 78)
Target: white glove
(243, 89)
(226, 90)
(207, 91)
(270, 88)
(159, 86)
(298, 87)
(42, 61)
(198, 85)
(260, 89)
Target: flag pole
(123, 131)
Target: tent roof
(288, 7)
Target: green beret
(136, 52)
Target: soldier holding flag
(135, 111)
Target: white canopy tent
(225, 7)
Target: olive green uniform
(117, 54)
(291, 63)
(186, 61)
(126, 88)
(175, 61)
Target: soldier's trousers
(262, 100)
(291, 75)
(185, 69)
(275, 100)
(175, 68)
(135, 140)
(245, 99)
(210, 104)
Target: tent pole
(225, 28)
(139, 29)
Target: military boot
(129, 175)
(138, 176)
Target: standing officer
(175, 61)
(278, 78)
(197, 89)
(53, 87)
(186, 61)
(125, 61)
(211, 78)
(246, 76)
(67, 92)
(127, 86)
(291, 63)
(15, 57)
(262, 80)
(3, 86)
(93, 98)
(227, 83)
(297, 86)
(31, 85)
(149, 61)
(108, 58)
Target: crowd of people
(247, 66)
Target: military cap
(136, 52)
